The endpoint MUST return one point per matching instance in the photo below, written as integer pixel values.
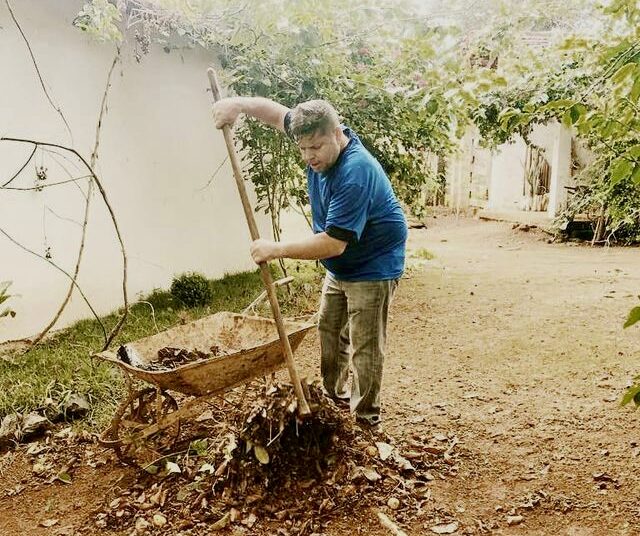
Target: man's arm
(316, 247)
(226, 111)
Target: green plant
(423, 253)
(100, 19)
(593, 87)
(191, 289)
(633, 392)
(4, 296)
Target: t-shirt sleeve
(349, 209)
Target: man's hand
(226, 111)
(263, 250)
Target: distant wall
(494, 180)
(158, 151)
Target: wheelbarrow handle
(263, 294)
(303, 406)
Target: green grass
(62, 364)
(423, 253)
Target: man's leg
(368, 309)
(334, 339)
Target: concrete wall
(508, 164)
(507, 175)
(158, 150)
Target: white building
(516, 177)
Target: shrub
(191, 289)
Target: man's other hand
(263, 250)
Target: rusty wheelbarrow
(150, 417)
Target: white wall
(560, 170)
(507, 174)
(158, 149)
(507, 171)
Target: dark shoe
(342, 403)
(373, 427)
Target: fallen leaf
(603, 477)
(64, 477)
(159, 520)
(205, 416)
(449, 528)
(182, 494)
(514, 520)
(207, 468)
(371, 474)
(249, 521)
(221, 523)
(152, 469)
(402, 462)
(262, 455)
(49, 522)
(172, 467)
(384, 450)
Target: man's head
(316, 128)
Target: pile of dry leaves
(251, 467)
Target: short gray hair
(311, 117)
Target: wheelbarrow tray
(259, 352)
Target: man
(360, 233)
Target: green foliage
(377, 66)
(4, 296)
(380, 82)
(100, 19)
(634, 317)
(595, 90)
(633, 392)
(191, 289)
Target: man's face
(320, 150)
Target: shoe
(342, 403)
(374, 428)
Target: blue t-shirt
(353, 201)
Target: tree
(591, 84)
(4, 296)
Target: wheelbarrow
(150, 417)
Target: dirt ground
(506, 346)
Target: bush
(192, 289)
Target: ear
(338, 133)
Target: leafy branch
(4, 296)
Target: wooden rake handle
(303, 406)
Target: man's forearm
(264, 110)
(316, 247)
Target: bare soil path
(506, 348)
(516, 346)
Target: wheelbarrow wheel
(141, 410)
